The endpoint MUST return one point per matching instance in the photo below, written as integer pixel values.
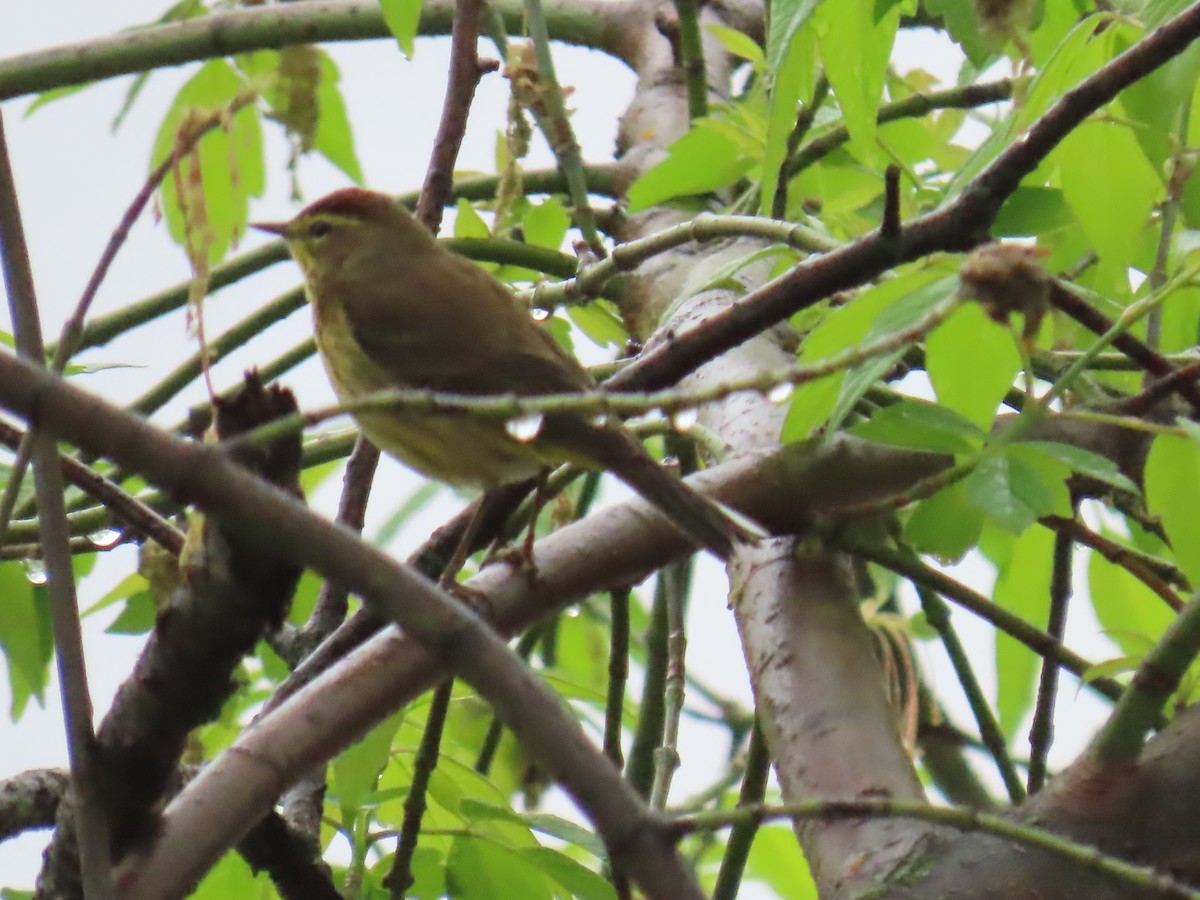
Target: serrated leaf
(403, 18)
(814, 401)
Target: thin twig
(1041, 732)
(741, 836)
(465, 71)
(618, 674)
(691, 57)
(1142, 878)
(558, 131)
(990, 734)
(91, 821)
(400, 877)
(666, 755)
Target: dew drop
(525, 428)
(685, 420)
(781, 393)
(35, 571)
(105, 538)
(539, 314)
(600, 420)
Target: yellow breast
(453, 448)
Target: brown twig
(1148, 358)
(1041, 732)
(957, 226)
(90, 819)
(889, 227)
(1156, 574)
(130, 512)
(465, 71)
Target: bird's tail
(702, 519)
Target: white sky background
(75, 180)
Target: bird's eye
(319, 229)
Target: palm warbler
(392, 308)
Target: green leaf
(1023, 587)
(1032, 211)
(738, 44)
(777, 861)
(1085, 462)
(468, 223)
(963, 26)
(230, 877)
(1173, 494)
(47, 97)
(1009, 491)
(1130, 613)
(137, 617)
(546, 223)
(402, 18)
(25, 637)
(783, 93)
(843, 327)
(356, 769)
(600, 323)
(482, 870)
(919, 425)
(787, 17)
(1110, 186)
(701, 161)
(333, 138)
(580, 881)
(945, 525)
(231, 160)
(972, 362)
(855, 49)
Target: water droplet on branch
(525, 428)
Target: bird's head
(344, 228)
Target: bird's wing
(474, 338)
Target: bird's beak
(279, 228)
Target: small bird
(393, 308)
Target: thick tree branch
(588, 23)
